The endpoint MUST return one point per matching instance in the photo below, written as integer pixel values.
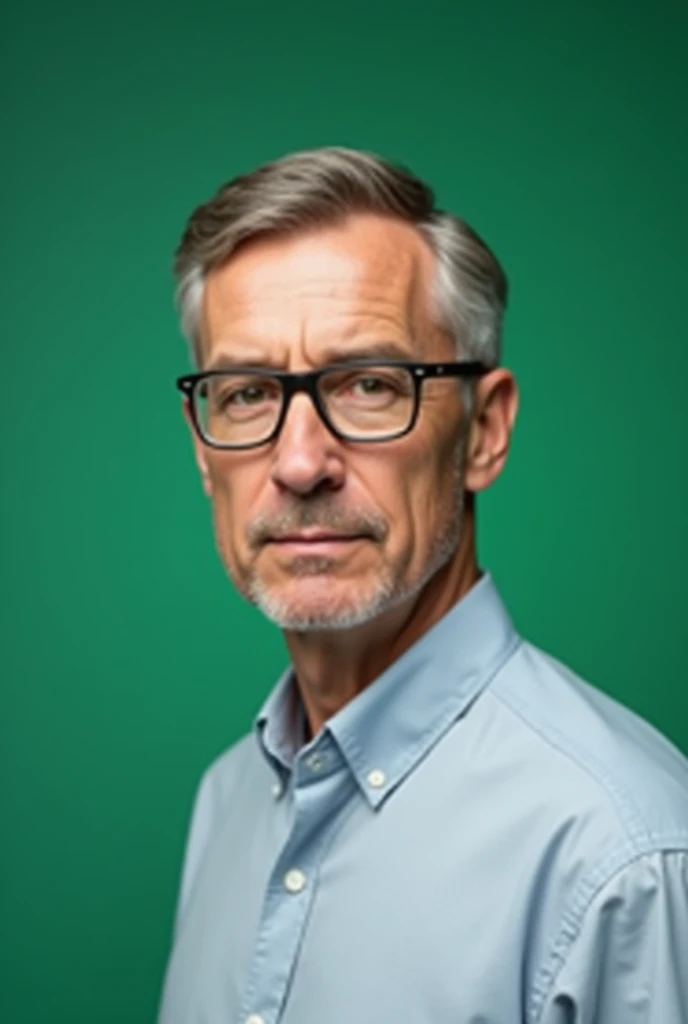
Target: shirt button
(276, 792)
(315, 762)
(295, 880)
(376, 778)
(254, 1019)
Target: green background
(558, 131)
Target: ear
(495, 404)
(200, 450)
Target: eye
(373, 385)
(245, 392)
(380, 385)
(249, 395)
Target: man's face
(300, 303)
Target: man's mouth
(316, 541)
(313, 535)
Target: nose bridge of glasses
(296, 385)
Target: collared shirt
(478, 837)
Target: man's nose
(306, 454)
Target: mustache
(319, 514)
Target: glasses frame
(295, 383)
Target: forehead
(365, 275)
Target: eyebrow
(333, 354)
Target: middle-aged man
(433, 822)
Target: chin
(319, 602)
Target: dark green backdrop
(128, 662)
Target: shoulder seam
(637, 831)
(584, 894)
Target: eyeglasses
(366, 400)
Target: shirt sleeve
(628, 963)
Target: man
(432, 822)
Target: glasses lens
(369, 402)
(236, 408)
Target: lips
(316, 542)
(313, 537)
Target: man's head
(323, 257)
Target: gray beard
(390, 591)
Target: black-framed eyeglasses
(368, 400)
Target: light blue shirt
(479, 837)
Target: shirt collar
(389, 727)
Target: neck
(331, 668)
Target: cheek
(405, 490)
(425, 494)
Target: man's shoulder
(605, 798)
(238, 765)
(616, 760)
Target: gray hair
(322, 186)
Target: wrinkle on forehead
(369, 274)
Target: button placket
(291, 888)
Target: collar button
(316, 762)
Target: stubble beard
(360, 604)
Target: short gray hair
(323, 186)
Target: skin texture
(296, 303)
